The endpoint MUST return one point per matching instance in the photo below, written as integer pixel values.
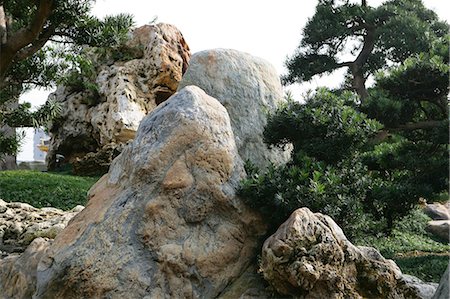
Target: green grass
(41, 189)
(413, 249)
(428, 267)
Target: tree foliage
(326, 172)
(339, 167)
(362, 38)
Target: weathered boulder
(18, 272)
(165, 221)
(443, 290)
(249, 88)
(310, 257)
(21, 223)
(440, 229)
(437, 211)
(128, 88)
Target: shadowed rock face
(310, 257)
(249, 88)
(165, 221)
(127, 92)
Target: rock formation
(165, 221)
(165, 216)
(249, 88)
(21, 223)
(440, 225)
(310, 257)
(126, 92)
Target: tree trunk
(9, 162)
(359, 82)
(356, 67)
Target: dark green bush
(325, 173)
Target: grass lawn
(415, 252)
(41, 189)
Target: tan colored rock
(18, 273)
(127, 91)
(21, 223)
(249, 88)
(165, 221)
(310, 257)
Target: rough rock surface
(18, 272)
(127, 91)
(249, 88)
(165, 216)
(21, 223)
(310, 257)
(443, 290)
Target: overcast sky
(268, 29)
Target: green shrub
(325, 173)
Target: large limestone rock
(310, 257)
(165, 221)
(21, 223)
(249, 88)
(127, 91)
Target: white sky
(268, 29)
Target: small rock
(440, 229)
(21, 223)
(437, 211)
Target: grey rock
(443, 290)
(440, 229)
(425, 290)
(437, 211)
(249, 88)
